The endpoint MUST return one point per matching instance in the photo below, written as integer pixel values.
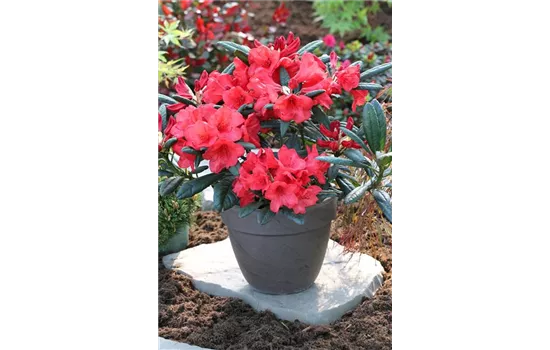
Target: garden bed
(190, 316)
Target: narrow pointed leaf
(357, 193)
(229, 69)
(192, 187)
(374, 125)
(384, 202)
(284, 127)
(297, 218)
(336, 160)
(356, 138)
(184, 100)
(314, 93)
(265, 215)
(319, 116)
(375, 71)
(169, 185)
(310, 47)
(166, 99)
(284, 77)
(249, 209)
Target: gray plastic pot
(281, 257)
(177, 242)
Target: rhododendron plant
(261, 128)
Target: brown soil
(301, 20)
(190, 316)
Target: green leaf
(189, 150)
(224, 198)
(284, 127)
(184, 100)
(169, 185)
(345, 186)
(325, 58)
(297, 218)
(249, 209)
(293, 142)
(310, 47)
(384, 159)
(269, 106)
(284, 77)
(242, 56)
(270, 124)
(355, 138)
(199, 169)
(229, 69)
(245, 106)
(374, 125)
(163, 115)
(170, 142)
(265, 215)
(192, 187)
(357, 193)
(357, 63)
(349, 178)
(247, 145)
(336, 160)
(165, 173)
(375, 71)
(319, 116)
(314, 93)
(231, 47)
(384, 202)
(235, 169)
(369, 86)
(355, 155)
(332, 172)
(166, 99)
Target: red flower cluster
(259, 82)
(286, 181)
(337, 138)
(215, 130)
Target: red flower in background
(329, 40)
(348, 78)
(281, 14)
(184, 4)
(336, 137)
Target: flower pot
(281, 257)
(177, 243)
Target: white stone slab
(344, 279)
(165, 344)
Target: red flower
(290, 159)
(262, 88)
(202, 81)
(333, 145)
(329, 40)
(236, 97)
(217, 84)
(288, 46)
(281, 194)
(263, 56)
(359, 98)
(201, 134)
(348, 78)
(281, 14)
(333, 131)
(306, 198)
(228, 123)
(160, 123)
(245, 195)
(311, 72)
(293, 107)
(176, 107)
(251, 130)
(223, 154)
(167, 10)
(316, 167)
(186, 160)
(240, 73)
(184, 4)
(183, 89)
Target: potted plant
(174, 220)
(277, 163)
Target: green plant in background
(343, 17)
(170, 34)
(173, 214)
